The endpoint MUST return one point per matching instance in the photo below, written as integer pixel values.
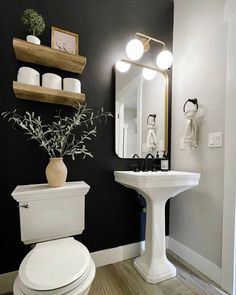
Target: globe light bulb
(134, 49)
(149, 74)
(164, 60)
(122, 66)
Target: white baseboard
(6, 282)
(199, 262)
(117, 254)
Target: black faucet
(135, 166)
(145, 166)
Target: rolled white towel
(190, 130)
(151, 138)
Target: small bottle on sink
(164, 164)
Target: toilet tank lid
(44, 191)
(54, 264)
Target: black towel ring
(154, 117)
(193, 101)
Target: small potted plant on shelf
(34, 24)
(59, 138)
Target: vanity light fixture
(136, 48)
(164, 60)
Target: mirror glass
(141, 112)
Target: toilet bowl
(62, 266)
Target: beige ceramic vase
(56, 172)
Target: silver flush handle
(25, 205)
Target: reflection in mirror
(141, 112)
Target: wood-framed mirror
(141, 124)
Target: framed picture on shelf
(64, 41)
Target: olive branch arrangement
(58, 138)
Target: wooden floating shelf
(49, 95)
(46, 56)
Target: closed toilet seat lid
(54, 264)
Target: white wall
(200, 36)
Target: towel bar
(193, 101)
(154, 118)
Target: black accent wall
(113, 213)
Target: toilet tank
(49, 213)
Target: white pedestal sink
(156, 188)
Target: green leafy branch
(58, 138)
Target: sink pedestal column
(153, 265)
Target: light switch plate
(215, 139)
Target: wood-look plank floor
(122, 279)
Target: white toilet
(49, 217)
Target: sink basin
(157, 184)
(156, 188)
